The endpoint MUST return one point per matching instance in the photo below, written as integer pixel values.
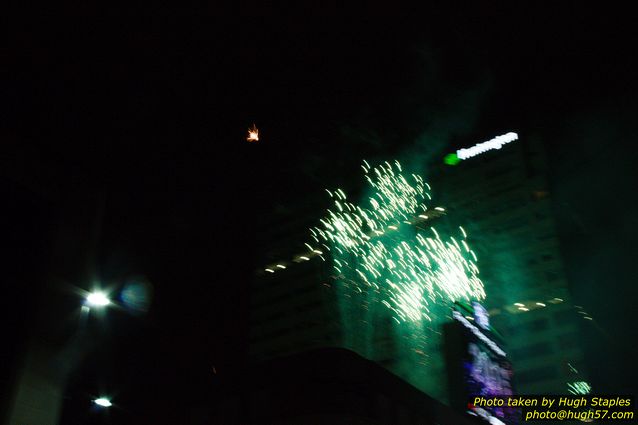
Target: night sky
(139, 125)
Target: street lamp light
(103, 402)
(97, 299)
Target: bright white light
(482, 317)
(98, 299)
(253, 134)
(519, 304)
(541, 304)
(270, 270)
(104, 402)
(495, 421)
(495, 143)
(458, 316)
(486, 415)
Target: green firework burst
(378, 251)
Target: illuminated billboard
(496, 143)
(477, 365)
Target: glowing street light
(97, 299)
(102, 401)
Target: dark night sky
(149, 115)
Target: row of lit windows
(560, 317)
(303, 271)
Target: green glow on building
(451, 159)
(395, 282)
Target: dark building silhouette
(325, 386)
(49, 235)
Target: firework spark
(253, 134)
(376, 250)
(579, 388)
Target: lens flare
(136, 295)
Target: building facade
(504, 200)
(501, 199)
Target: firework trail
(378, 252)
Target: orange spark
(253, 134)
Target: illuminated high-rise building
(504, 200)
(501, 198)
